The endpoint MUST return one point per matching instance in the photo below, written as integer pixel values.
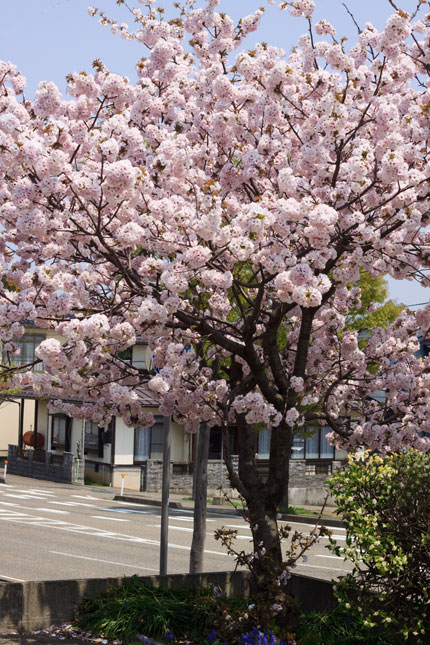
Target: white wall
(141, 356)
(124, 443)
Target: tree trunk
(263, 499)
(200, 501)
(264, 527)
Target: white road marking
(121, 564)
(10, 504)
(244, 527)
(178, 528)
(23, 496)
(112, 519)
(71, 504)
(6, 513)
(32, 491)
(334, 557)
(52, 510)
(92, 531)
(125, 511)
(13, 579)
(186, 519)
(317, 566)
(99, 499)
(8, 485)
(320, 523)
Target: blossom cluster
(222, 208)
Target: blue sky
(48, 39)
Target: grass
(190, 499)
(90, 482)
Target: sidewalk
(177, 501)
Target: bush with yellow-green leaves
(385, 503)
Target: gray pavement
(57, 531)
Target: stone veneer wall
(309, 489)
(182, 482)
(299, 478)
(67, 472)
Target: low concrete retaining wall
(27, 606)
(64, 472)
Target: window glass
(326, 450)
(27, 351)
(298, 448)
(312, 445)
(91, 436)
(157, 438)
(264, 443)
(215, 442)
(142, 444)
(58, 432)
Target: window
(315, 446)
(92, 435)
(27, 351)
(298, 448)
(326, 450)
(148, 442)
(216, 442)
(60, 433)
(264, 443)
(312, 446)
(142, 444)
(96, 437)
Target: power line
(419, 304)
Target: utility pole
(200, 501)
(165, 497)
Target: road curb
(298, 519)
(147, 502)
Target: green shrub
(132, 609)
(335, 628)
(385, 503)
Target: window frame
(159, 420)
(65, 447)
(303, 456)
(29, 338)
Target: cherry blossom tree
(222, 208)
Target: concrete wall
(131, 479)
(28, 606)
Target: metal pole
(36, 419)
(165, 498)
(221, 461)
(196, 449)
(21, 424)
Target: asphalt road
(54, 532)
